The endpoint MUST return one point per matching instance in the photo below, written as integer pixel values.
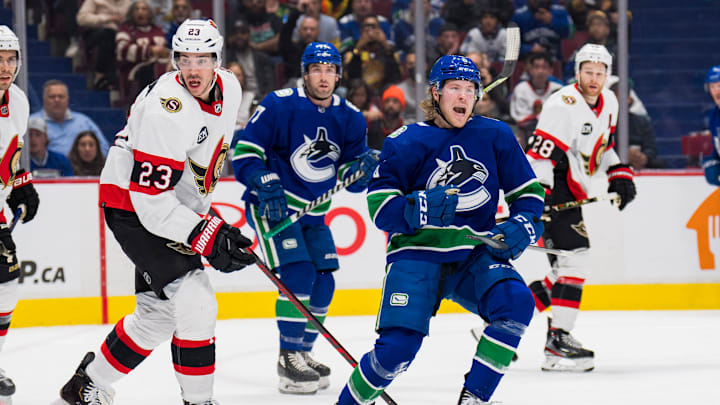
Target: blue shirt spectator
(180, 12)
(44, 162)
(542, 27)
(63, 124)
(403, 29)
(351, 24)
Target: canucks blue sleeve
(714, 125)
(523, 192)
(255, 140)
(355, 145)
(387, 189)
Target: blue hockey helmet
(712, 75)
(454, 67)
(321, 52)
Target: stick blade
(512, 49)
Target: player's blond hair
(428, 106)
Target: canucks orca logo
(314, 160)
(467, 174)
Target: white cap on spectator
(37, 123)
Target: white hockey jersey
(166, 161)
(569, 126)
(526, 103)
(14, 112)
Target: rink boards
(656, 254)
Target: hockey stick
(18, 216)
(512, 51)
(314, 203)
(499, 244)
(612, 197)
(310, 317)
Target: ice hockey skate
(296, 376)
(210, 402)
(468, 398)
(81, 390)
(321, 369)
(564, 353)
(7, 388)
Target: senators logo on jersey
(207, 177)
(592, 161)
(10, 161)
(171, 104)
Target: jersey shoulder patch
(171, 104)
(398, 131)
(284, 92)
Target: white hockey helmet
(9, 42)
(593, 53)
(198, 36)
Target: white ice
(657, 358)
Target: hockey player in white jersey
(572, 143)
(17, 186)
(156, 192)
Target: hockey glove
(8, 245)
(620, 177)
(23, 192)
(712, 171)
(434, 207)
(271, 196)
(221, 244)
(519, 231)
(367, 162)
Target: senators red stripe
(113, 196)
(191, 344)
(195, 370)
(112, 360)
(158, 160)
(123, 336)
(557, 302)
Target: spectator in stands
(408, 88)
(139, 45)
(489, 38)
(448, 43)
(642, 149)
(359, 95)
(181, 10)
(100, 20)
(85, 155)
(373, 57)
(328, 30)
(495, 103)
(351, 25)
(278, 8)
(393, 104)
(63, 124)
(403, 28)
(257, 66)
(45, 162)
(598, 33)
(248, 96)
(528, 96)
(542, 27)
(466, 13)
(290, 50)
(264, 26)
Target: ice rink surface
(654, 358)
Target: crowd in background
(124, 45)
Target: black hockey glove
(8, 245)
(620, 177)
(23, 192)
(221, 244)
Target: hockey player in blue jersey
(296, 145)
(711, 164)
(437, 182)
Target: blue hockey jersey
(714, 125)
(480, 159)
(308, 146)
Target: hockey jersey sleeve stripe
(113, 196)
(154, 174)
(542, 145)
(378, 199)
(244, 149)
(343, 169)
(531, 189)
